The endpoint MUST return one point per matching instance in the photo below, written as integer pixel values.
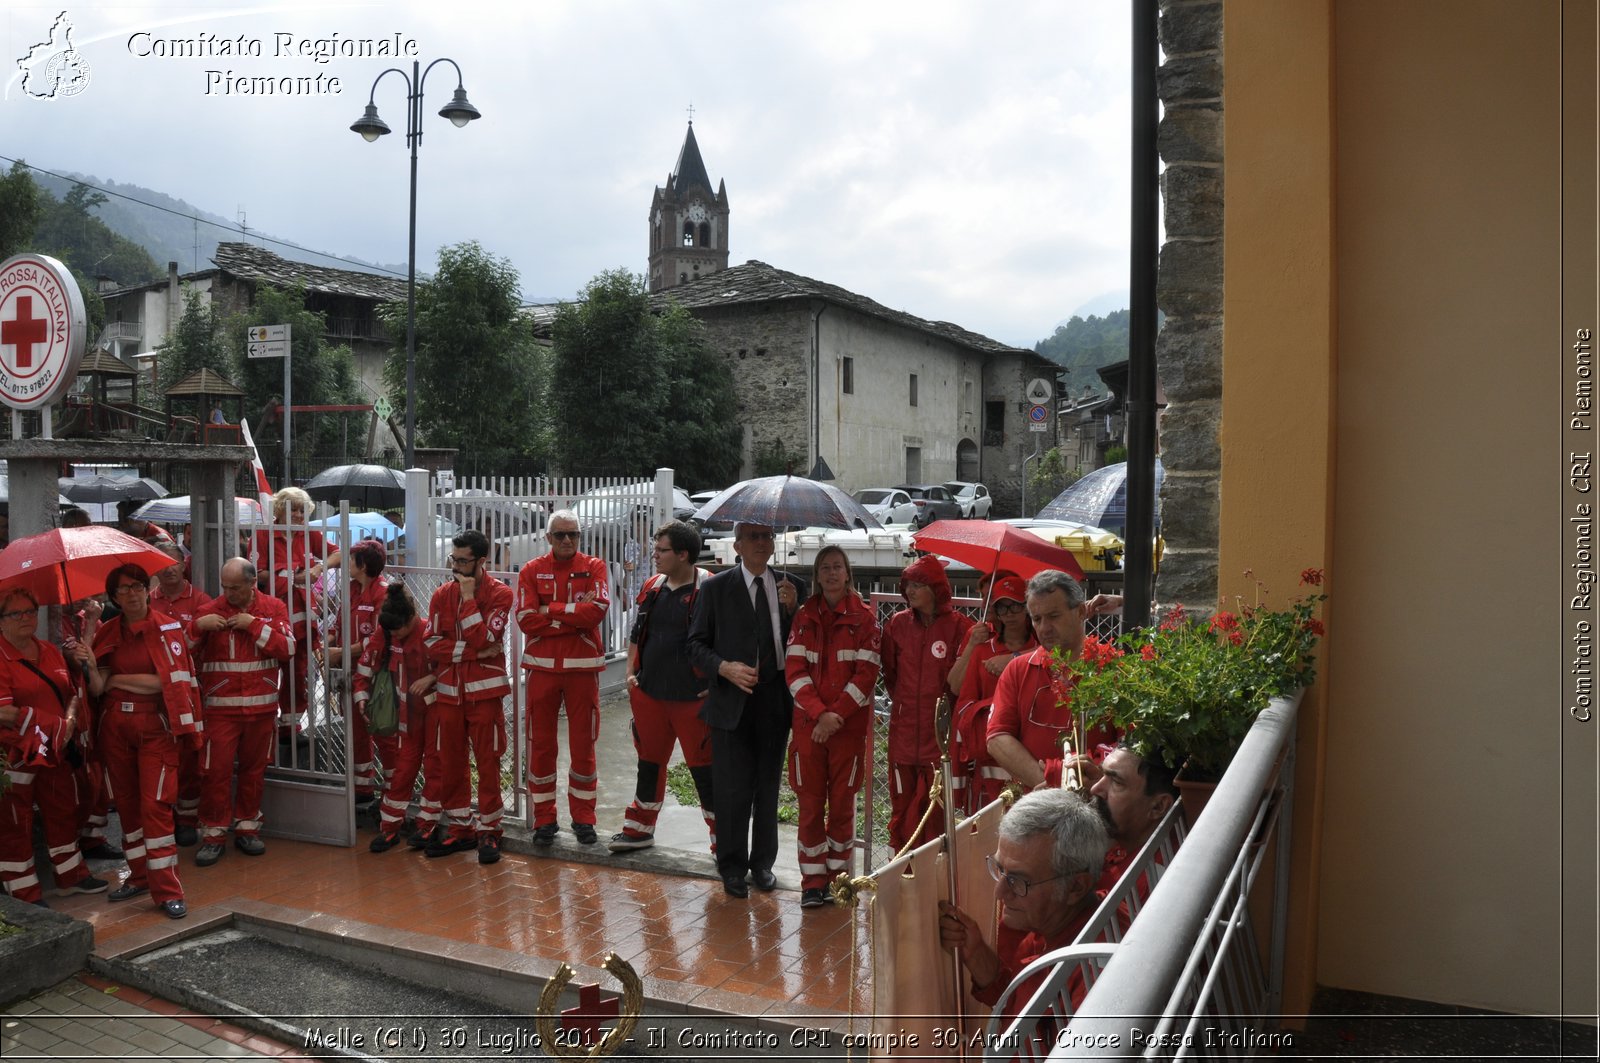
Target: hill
(1084, 344)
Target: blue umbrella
(1099, 499)
(362, 526)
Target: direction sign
(1039, 391)
(267, 341)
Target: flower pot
(1193, 792)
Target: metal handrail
(1141, 989)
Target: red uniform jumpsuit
(139, 736)
(94, 807)
(285, 557)
(666, 705)
(564, 655)
(183, 608)
(407, 660)
(53, 785)
(469, 708)
(916, 666)
(363, 624)
(831, 666)
(240, 675)
(1034, 706)
(978, 779)
(1014, 957)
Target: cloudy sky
(962, 161)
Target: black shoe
(545, 835)
(384, 842)
(488, 849)
(420, 838)
(765, 880)
(447, 845)
(127, 892)
(89, 884)
(249, 844)
(103, 851)
(208, 854)
(734, 887)
(175, 909)
(584, 832)
(813, 898)
(186, 836)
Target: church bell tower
(688, 222)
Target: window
(688, 234)
(994, 416)
(848, 381)
(913, 389)
(913, 465)
(705, 234)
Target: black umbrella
(367, 486)
(781, 501)
(99, 490)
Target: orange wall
(1392, 386)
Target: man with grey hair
(1031, 708)
(562, 600)
(1044, 867)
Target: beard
(1104, 809)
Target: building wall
(1394, 269)
(1007, 459)
(769, 350)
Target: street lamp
(371, 127)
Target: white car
(889, 504)
(973, 498)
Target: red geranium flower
(1311, 577)
(1315, 627)
(1148, 652)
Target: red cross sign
(43, 331)
(585, 1018)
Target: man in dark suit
(737, 640)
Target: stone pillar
(1189, 293)
(211, 490)
(35, 489)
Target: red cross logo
(587, 1015)
(24, 332)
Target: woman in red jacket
(832, 667)
(40, 713)
(149, 701)
(920, 643)
(289, 558)
(991, 646)
(397, 646)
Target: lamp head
(369, 125)
(459, 110)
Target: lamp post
(371, 127)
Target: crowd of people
(168, 704)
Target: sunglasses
(563, 534)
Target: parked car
(973, 498)
(709, 529)
(889, 504)
(933, 503)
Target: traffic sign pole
(272, 341)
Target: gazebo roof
(103, 361)
(204, 382)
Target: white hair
(565, 514)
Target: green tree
(197, 343)
(633, 390)
(68, 229)
(1049, 478)
(320, 374)
(20, 209)
(479, 379)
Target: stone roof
(757, 282)
(250, 262)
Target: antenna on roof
(244, 221)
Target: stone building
(688, 222)
(881, 397)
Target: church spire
(688, 221)
(691, 169)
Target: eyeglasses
(1006, 607)
(665, 550)
(563, 534)
(461, 561)
(1018, 885)
(124, 588)
(21, 614)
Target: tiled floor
(753, 956)
(93, 1019)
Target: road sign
(1040, 391)
(267, 341)
(382, 408)
(445, 479)
(1038, 418)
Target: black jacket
(724, 629)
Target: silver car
(889, 504)
(973, 498)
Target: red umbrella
(67, 564)
(989, 546)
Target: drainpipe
(819, 467)
(1138, 582)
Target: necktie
(766, 663)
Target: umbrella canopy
(992, 547)
(368, 486)
(362, 526)
(66, 564)
(175, 510)
(98, 490)
(1100, 499)
(781, 501)
(474, 507)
